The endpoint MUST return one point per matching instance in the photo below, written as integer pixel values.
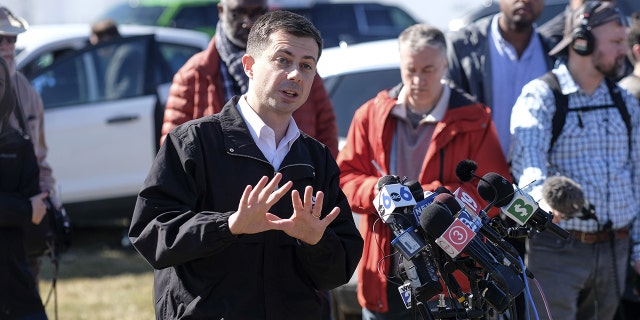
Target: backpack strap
(562, 106)
(618, 101)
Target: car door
(101, 144)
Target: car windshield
(125, 14)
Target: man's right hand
(253, 214)
(38, 207)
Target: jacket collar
(238, 140)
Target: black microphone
(465, 171)
(480, 226)
(519, 205)
(442, 189)
(438, 223)
(416, 189)
(386, 180)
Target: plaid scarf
(235, 80)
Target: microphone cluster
(439, 232)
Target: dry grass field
(99, 280)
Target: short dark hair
(106, 27)
(278, 20)
(633, 36)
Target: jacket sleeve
(165, 229)
(47, 180)
(180, 104)
(327, 129)
(33, 110)
(358, 176)
(455, 72)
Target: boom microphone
(455, 237)
(519, 205)
(563, 195)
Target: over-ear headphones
(582, 40)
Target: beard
(612, 71)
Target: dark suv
(353, 22)
(339, 23)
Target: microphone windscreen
(386, 180)
(435, 219)
(465, 170)
(449, 201)
(502, 186)
(442, 189)
(416, 189)
(563, 195)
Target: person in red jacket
(420, 129)
(212, 77)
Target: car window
(386, 20)
(175, 56)
(126, 14)
(196, 17)
(64, 83)
(336, 23)
(350, 91)
(44, 60)
(124, 69)
(109, 71)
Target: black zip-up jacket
(180, 225)
(19, 180)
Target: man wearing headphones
(582, 277)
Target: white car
(102, 144)
(355, 74)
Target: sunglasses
(10, 39)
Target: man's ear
(247, 62)
(635, 50)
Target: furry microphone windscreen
(564, 195)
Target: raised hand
(306, 223)
(252, 215)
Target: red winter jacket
(465, 132)
(197, 91)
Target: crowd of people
(246, 212)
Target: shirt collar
(259, 129)
(567, 84)
(436, 115)
(505, 48)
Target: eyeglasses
(10, 39)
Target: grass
(99, 280)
